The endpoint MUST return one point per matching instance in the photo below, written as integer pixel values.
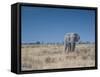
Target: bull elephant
(70, 40)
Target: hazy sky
(51, 24)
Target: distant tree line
(56, 43)
(86, 42)
(46, 43)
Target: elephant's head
(72, 37)
(75, 37)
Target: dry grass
(39, 57)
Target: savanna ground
(39, 57)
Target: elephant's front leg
(73, 46)
(69, 47)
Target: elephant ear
(77, 38)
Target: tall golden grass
(39, 57)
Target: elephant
(70, 40)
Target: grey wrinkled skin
(70, 40)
